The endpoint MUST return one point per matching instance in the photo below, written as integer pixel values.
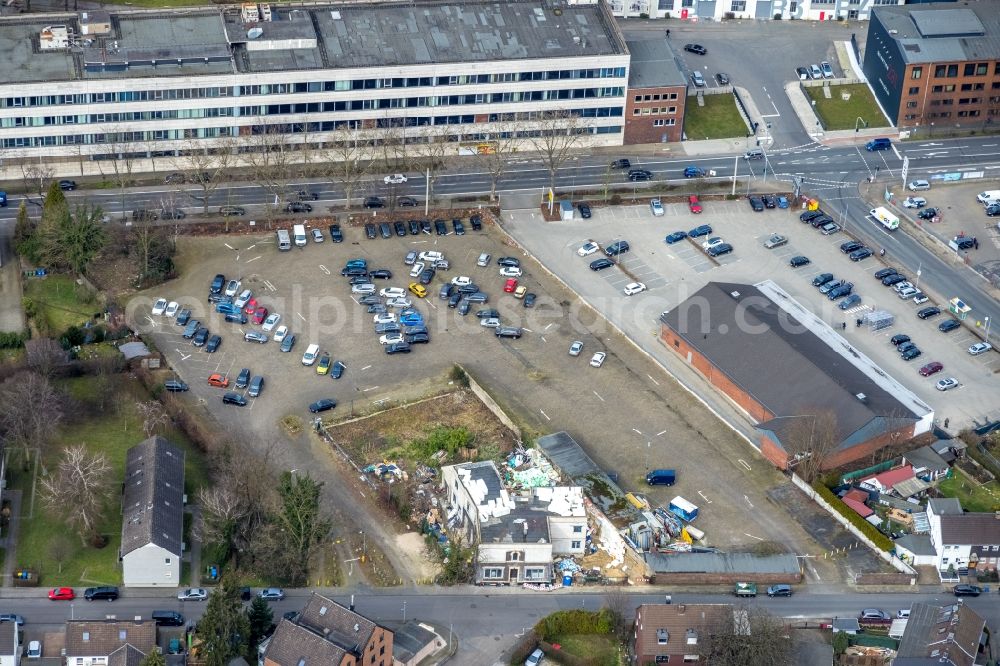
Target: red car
(510, 285)
(62, 594)
(931, 368)
(259, 315)
(694, 204)
(250, 306)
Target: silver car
(575, 348)
(698, 79)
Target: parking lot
(682, 268)
(630, 416)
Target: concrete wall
(491, 404)
(148, 567)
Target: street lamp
(987, 329)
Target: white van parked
(284, 242)
(312, 352)
(988, 197)
(299, 232)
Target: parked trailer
(683, 509)
(883, 216)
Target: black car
(621, 163)
(414, 227)
(400, 227)
(884, 272)
(337, 369)
(514, 262)
(67, 185)
(529, 300)
(200, 338)
(757, 204)
(584, 211)
(418, 338)
(616, 248)
(213, 344)
(769, 201)
(928, 213)
(810, 215)
(892, 279)
(104, 593)
(183, 317)
(636, 175)
(370, 231)
(336, 234)
(463, 307)
(675, 237)
(398, 348)
(822, 279)
(354, 271)
(218, 282)
(601, 264)
(722, 78)
(381, 274)
(322, 405)
(388, 327)
(850, 246)
(899, 339)
(192, 327)
(949, 325)
(385, 230)
(965, 242)
(795, 262)
(219, 298)
(720, 249)
(426, 276)
(406, 202)
(172, 214)
(440, 228)
(233, 398)
(470, 288)
(425, 226)
(455, 298)
(458, 227)
(859, 254)
(175, 386)
(446, 291)
(967, 590)
(298, 207)
(374, 202)
(490, 313)
(232, 211)
(702, 230)
(910, 354)
(697, 49)
(821, 221)
(358, 279)
(306, 195)
(928, 312)
(476, 221)
(841, 291)
(904, 347)
(243, 378)
(993, 209)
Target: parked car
(62, 594)
(796, 262)
(104, 593)
(601, 264)
(779, 591)
(697, 49)
(967, 590)
(272, 593)
(636, 175)
(931, 368)
(702, 230)
(322, 405)
(928, 312)
(175, 386)
(192, 594)
(255, 336)
(597, 360)
(776, 240)
(949, 325)
(588, 248)
(694, 204)
(980, 348)
(946, 384)
(657, 207)
(575, 348)
(873, 613)
(584, 211)
(756, 203)
(675, 237)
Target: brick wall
(725, 579)
(864, 449)
(649, 112)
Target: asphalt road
(487, 621)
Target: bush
(457, 375)
(575, 622)
(12, 340)
(880, 540)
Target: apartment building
(158, 84)
(936, 65)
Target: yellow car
(418, 290)
(520, 291)
(324, 366)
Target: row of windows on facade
(951, 71)
(530, 573)
(975, 113)
(656, 97)
(741, 5)
(119, 138)
(655, 111)
(962, 101)
(950, 88)
(309, 87)
(316, 107)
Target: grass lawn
(972, 497)
(837, 114)
(111, 431)
(718, 119)
(60, 301)
(601, 649)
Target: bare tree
(622, 609)
(205, 167)
(346, 161)
(59, 549)
(496, 154)
(124, 151)
(44, 355)
(79, 490)
(556, 136)
(37, 177)
(436, 149)
(30, 411)
(154, 416)
(748, 636)
(271, 159)
(810, 439)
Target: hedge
(575, 622)
(879, 539)
(12, 340)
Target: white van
(312, 352)
(988, 197)
(284, 242)
(299, 232)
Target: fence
(492, 404)
(874, 469)
(743, 110)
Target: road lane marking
(753, 537)
(653, 380)
(254, 259)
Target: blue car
(693, 172)
(782, 202)
(413, 319)
(702, 230)
(675, 237)
(226, 308)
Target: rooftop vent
(255, 32)
(734, 294)
(357, 627)
(862, 398)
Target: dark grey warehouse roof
(652, 65)
(153, 496)
(943, 31)
(779, 361)
(723, 563)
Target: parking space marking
(744, 463)
(747, 500)
(371, 388)
(268, 285)
(254, 259)
(653, 380)
(183, 356)
(364, 368)
(705, 497)
(324, 269)
(299, 315)
(599, 396)
(548, 326)
(753, 537)
(544, 414)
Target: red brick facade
(949, 94)
(655, 115)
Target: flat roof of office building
(944, 31)
(652, 65)
(204, 41)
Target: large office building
(936, 65)
(718, 10)
(165, 83)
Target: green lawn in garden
(718, 119)
(598, 649)
(973, 497)
(838, 114)
(60, 301)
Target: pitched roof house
(667, 633)
(10, 644)
(884, 482)
(108, 642)
(328, 634)
(946, 635)
(963, 540)
(152, 514)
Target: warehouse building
(163, 83)
(782, 366)
(937, 64)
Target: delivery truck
(885, 218)
(683, 509)
(299, 234)
(988, 197)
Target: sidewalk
(9, 543)
(194, 550)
